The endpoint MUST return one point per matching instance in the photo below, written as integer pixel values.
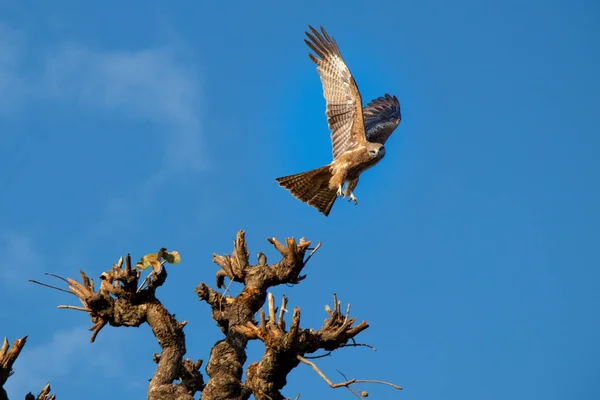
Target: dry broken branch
(229, 355)
(118, 302)
(8, 356)
(347, 384)
(262, 276)
(283, 348)
(44, 394)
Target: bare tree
(120, 300)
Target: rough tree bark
(119, 301)
(235, 317)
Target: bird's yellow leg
(353, 199)
(339, 191)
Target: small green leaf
(149, 260)
(172, 257)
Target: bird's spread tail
(312, 187)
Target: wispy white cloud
(68, 353)
(20, 259)
(158, 85)
(37, 365)
(151, 85)
(148, 84)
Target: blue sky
(130, 126)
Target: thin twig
(342, 374)
(347, 313)
(226, 289)
(360, 395)
(51, 287)
(348, 382)
(359, 345)
(148, 277)
(57, 276)
(319, 356)
(312, 252)
(280, 322)
(75, 308)
(144, 282)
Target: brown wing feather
(382, 116)
(343, 100)
(312, 187)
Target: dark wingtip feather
(321, 45)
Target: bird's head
(376, 150)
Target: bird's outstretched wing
(382, 116)
(343, 101)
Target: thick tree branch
(229, 355)
(268, 376)
(121, 301)
(8, 356)
(118, 302)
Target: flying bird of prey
(358, 134)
